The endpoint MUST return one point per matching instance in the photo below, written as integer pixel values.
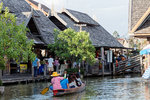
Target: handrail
(134, 61)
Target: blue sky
(111, 14)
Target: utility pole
(80, 25)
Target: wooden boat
(61, 92)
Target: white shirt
(50, 62)
(73, 84)
(39, 62)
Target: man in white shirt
(50, 64)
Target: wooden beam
(73, 17)
(141, 20)
(37, 8)
(60, 19)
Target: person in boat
(78, 80)
(59, 82)
(72, 82)
(56, 81)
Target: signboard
(23, 68)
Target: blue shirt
(64, 83)
(34, 63)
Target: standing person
(39, 64)
(56, 81)
(50, 64)
(56, 64)
(35, 65)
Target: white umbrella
(146, 47)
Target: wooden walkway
(132, 63)
(19, 78)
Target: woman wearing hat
(56, 81)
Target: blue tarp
(145, 51)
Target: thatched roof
(45, 26)
(81, 17)
(17, 6)
(22, 10)
(98, 35)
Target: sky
(111, 14)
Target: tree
(116, 34)
(14, 43)
(73, 46)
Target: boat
(61, 92)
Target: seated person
(78, 80)
(56, 81)
(64, 83)
(72, 82)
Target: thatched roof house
(98, 35)
(41, 28)
(139, 18)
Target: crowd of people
(49, 65)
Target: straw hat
(55, 74)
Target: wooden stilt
(102, 53)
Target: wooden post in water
(114, 69)
(141, 63)
(102, 53)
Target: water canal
(128, 87)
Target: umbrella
(146, 47)
(145, 50)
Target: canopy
(146, 47)
(145, 50)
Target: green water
(128, 87)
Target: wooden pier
(18, 78)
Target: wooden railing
(130, 63)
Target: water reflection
(147, 91)
(98, 88)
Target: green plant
(74, 70)
(73, 46)
(2, 64)
(14, 43)
(1, 83)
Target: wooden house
(139, 23)
(40, 27)
(41, 22)
(139, 19)
(79, 21)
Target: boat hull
(61, 92)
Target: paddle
(45, 90)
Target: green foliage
(116, 34)
(1, 83)
(73, 46)
(13, 40)
(74, 70)
(2, 64)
